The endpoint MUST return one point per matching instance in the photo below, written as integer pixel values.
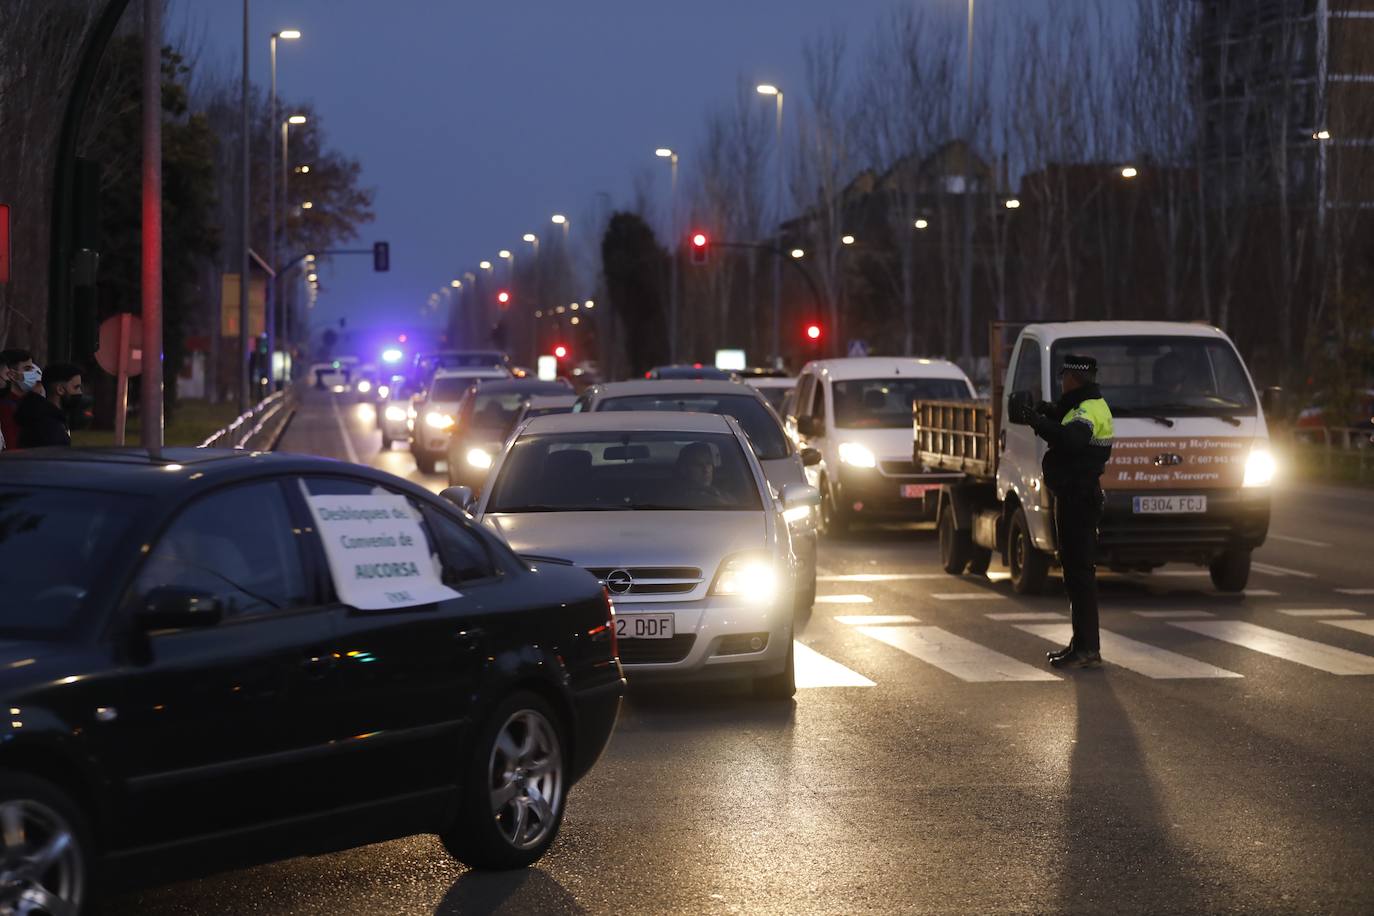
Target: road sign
(4, 243)
(121, 354)
(858, 349)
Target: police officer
(1078, 428)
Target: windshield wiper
(1137, 412)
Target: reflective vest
(1097, 415)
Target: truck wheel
(1231, 571)
(1029, 567)
(955, 545)
(834, 521)
(424, 463)
(979, 559)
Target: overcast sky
(475, 121)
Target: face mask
(30, 378)
(76, 407)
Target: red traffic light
(560, 352)
(813, 331)
(701, 248)
(699, 240)
(503, 297)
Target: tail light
(610, 622)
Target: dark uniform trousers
(1077, 514)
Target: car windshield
(55, 544)
(605, 471)
(450, 387)
(762, 428)
(1195, 376)
(885, 403)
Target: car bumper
(711, 640)
(595, 711)
(870, 493)
(1234, 520)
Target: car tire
(834, 519)
(513, 787)
(425, 463)
(1030, 567)
(783, 685)
(955, 545)
(1231, 571)
(55, 830)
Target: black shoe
(1078, 658)
(1059, 653)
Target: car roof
(553, 400)
(885, 367)
(530, 386)
(629, 420)
(771, 381)
(670, 386)
(1051, 331)
(472, 372)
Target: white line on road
(858, 620)
(815, 670)
(1139, 657)
(1293, 540)
(1356, 591)
(1320, 612)
(843, 599)
(1260, 593)
(343, 431)
(1270, 569)
(960, 657)
(1181, 573)
(1026, 615)
(1282, 645)
(882, 577)
(1359, 626)
(968, 596)
(1172, 615)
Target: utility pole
(245, 345)
(966, 268)
(151, 405)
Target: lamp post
(274, 305)
(769, 89)
(966, 268)
(296, 119)
(664, 153)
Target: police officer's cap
(1074, 362)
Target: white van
(857, 414)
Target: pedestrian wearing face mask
(18, 376)
(43, 417)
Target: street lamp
(275, 313)
(558, 219)
(306, 204)
(273, 236)
(847, 239)
(484, 265)
(798, 254)
(922, 224)
(1012, 203)
(1129, 171)
(296, 119)
(664, 152)
(456, 284)
(767, 89)
(1322, 135)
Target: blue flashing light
(392, 355)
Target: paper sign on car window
(377, 553)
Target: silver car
(673, 514)
(783, 462)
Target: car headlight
(796, 514)
(395, 413)
(1260, 468)
(364, 386)
(856, 455)
(383, 391)
(750, 577)
(479, 458)
(437, 420)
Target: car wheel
(955, 545)
(1231, 571)
(834, 520)
(45, 857)
(513, 788)
(424, 463)
(781, 686)
(1029, 566)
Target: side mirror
(171, 608)
(1020, 406)
(798, 495)
(809, 426)
(462, 497)
(810, 457)
(1270, 398)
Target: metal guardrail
(261, 426)
(1339, 450)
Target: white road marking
(1270, 569)
(1180, 573)
(1356, 591)
(1026, 615)
(343, 431)
(1358, 626)
(843, 599)
(858, 620)
(1139, 657)
(1172, 615)
(1320, 612)
(1260, 593)
(960, 657)
(1293, 540)
(816, 670)
(1282, 645)
(968, 596)
(882, 577)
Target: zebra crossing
(971, 662)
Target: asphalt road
(1223, 761)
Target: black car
(187, 692)
(486, 416)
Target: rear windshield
(496, 412)
(53, 546)
(1191, 376)
(600, 471)
(450, 387)
(885, 403)
(762, 428)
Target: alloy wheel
(41, 869)
(526, 779)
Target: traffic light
(701, 248)
(381, 256)
(503, 297)
(813, 332)
(560, 352)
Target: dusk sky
(476, 121)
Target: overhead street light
(484, 265)
(456, 284)
(1129, 171)
(530, 237)
(288, 34)
(1322, 135)
(558, 219)
(307, 205)
(767, 89)
(504, 253)
(922, 224)
(296, 119)
(847, 239)
(1012, 203)
(663, 153)
(798, 253)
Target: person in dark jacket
(1078, 428)
(18, 375)
(43, 411)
